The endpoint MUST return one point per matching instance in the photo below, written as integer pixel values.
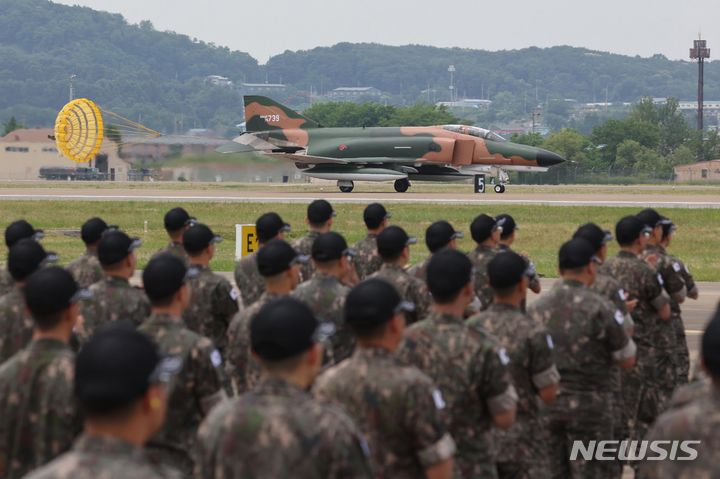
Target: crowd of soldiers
(335, 362)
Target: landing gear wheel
(401, 186)
(346, 186)
(499, 188)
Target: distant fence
(582, 174)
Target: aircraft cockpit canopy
(474, 131)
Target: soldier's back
(16, 325)
(86, 270)
(367, 261)
(38, 416)
(6, 282)
(304, 247)
(175, 249)
(278, 430)
(114, 299)
(480, 258)
(102, 457)
(408, 287)
(249, 280)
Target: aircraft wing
(309, 160)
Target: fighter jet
(399, 154)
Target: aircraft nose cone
(548, 158)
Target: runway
(550, 196)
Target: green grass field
(543, 228)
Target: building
(701, 171)
(23, 152)
(262, 88)
(349, 93)
(217, 80)
(170, 146)
(476, 103)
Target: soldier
(320, 216)
(521, 449)
(120, 386)
(16, 325)
(639, 281)
(247, 277)
(589, 338)
(325, 293)
(198, 385)
(466, 365)
(86, 269)
(695, 423)
(177, 221)
(396, 406)
(394, 249)
(438, 236)
(214, 300)
(682, 355)
(277, 429)
(486, 234)
(17, 231)
(507, 238)
(279, 265)
(113, 298)
(367, 260)
(38, 416)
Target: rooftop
(29, 135)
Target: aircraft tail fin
(265, 114)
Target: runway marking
(361, 200)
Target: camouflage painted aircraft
(399, 154)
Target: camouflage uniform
(672, 282)
(470, 370)
(522, 450)
(367, 261)
(278, 430)
(410, 289)
(212, 306)
(16, 325)
(589, 337)
(113, 299)
(240, 366)
(419, 271)
(175, 249)
(249, 280)
(103, 457)
(304, 247)
(639, 281)
(325, 295)
(192, 393)
(397, 408)
(480, 257)
(86, 269)
(6, 282)
(682, 354)
(38, 416)
(696, 421)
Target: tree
(11, 126)
(531, 139)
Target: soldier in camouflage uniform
(589, 337)
(16, 325)
(278, 429)
(639, 281)
(368, 261)
(320, 216)
(674, 286)
(113, 298)
(394, 249)
(397, 407)
(198, 385)
(121, 388)
(279, 265)
(682, 354)
(247, 277)
(325, 293)
(522, 451)
(38, 415)
(466, 364)
(486, 234)
(697, 420)
(438, 236)
(15, 232)
(86, 269)
(176, 222)
(507, 238)
(214, 301)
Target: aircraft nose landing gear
(499, 188)
(401, 186)
(345, 186)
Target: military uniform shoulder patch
(438, 399)
(619, 317)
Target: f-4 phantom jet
(399, 154)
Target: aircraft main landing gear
(345, 186)
(499, 188)
(401, 186)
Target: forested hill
(158, 77)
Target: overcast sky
(267, 27)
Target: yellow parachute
(80, 129)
